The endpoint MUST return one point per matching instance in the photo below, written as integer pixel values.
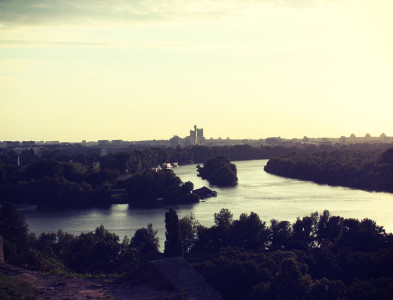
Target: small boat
(166, 166)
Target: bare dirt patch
(66, 287)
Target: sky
(151, 69)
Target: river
(267, 195)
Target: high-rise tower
(196, 136)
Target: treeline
(316, 257)
(97, 252)
(138, 160)
(57, 180)
(133, 160)
(52, 183)
(367, 169)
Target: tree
(13, 229)
(187, 232)
(290, 283)
(325, 289)
(146, 240)
(305, 230)
(387, 156)
(96, 252)
(280, 234)
(224, 218)
(322, 225)
(147, 187)
(44, 167)
(223, 221)
(249, 232)
(172, 242)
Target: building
(117, 142)
(196, 136)
(204, 192)
(342, 139)
(12, 144)
(103, 142)
(28, 143)
(273, 141)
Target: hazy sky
(144, 69)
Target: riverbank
(272, 197)
(369, 170)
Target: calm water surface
(267, 195)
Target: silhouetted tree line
(51, 183)
(96, 252)
(316, 257)
(138, 160)
(219, 171)
(56, 179)
(367, 169)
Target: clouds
(94, 12)
(254, 61)
(66, 12)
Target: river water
(267, 195)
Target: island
(161, 187)
(219, 171)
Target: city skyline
(189, 140)
(137, 70)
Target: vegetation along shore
(319, 256)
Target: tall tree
(188, 232)
(13, 229)
(146, 240)
(173, 241)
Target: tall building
(193, 135)
(195, 138)
(199, 132)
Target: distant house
(204, 192)
(175, 276)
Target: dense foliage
(94, 252)
(51, 183)
(219, 171)
(316, 257)
(57, 178)
(172, 234)
(161, 187)
(367, 169)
